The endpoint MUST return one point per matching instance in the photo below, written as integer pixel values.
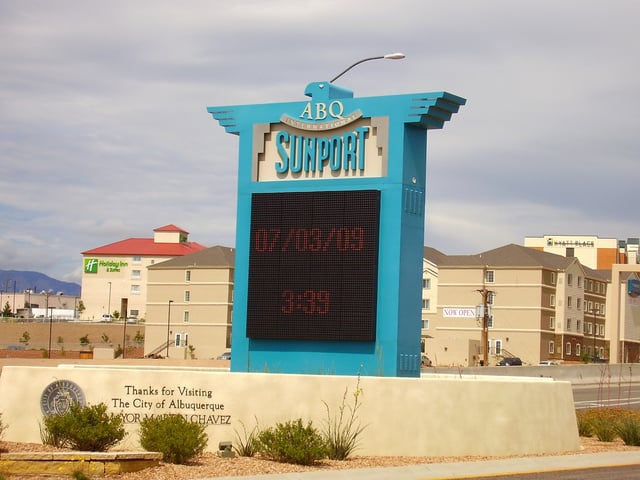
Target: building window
(568, 324)
(553, 278)
(498, 347)
(577, 349)
(425, 324)
(135, 274)
(133, 313)
(135, 289)
(552, 347)
(579, 281)
(569, 278)
(590, 309)
(187, 295)
(187, 276)
(185, 318)
(552, 300)
(601, 330)
(426, 283)
(489, 276)
(578, 303)
(552, 323)
(567, 349)
(569, 301)
(578, 325)
(426, 303)
(182, 339)
(589, 328)
(136, 259)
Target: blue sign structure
(633, 287)
(330, 231)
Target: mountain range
(20, 281)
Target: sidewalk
(450, 471)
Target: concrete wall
(587, 374)
(442, 415)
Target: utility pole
(486, 296)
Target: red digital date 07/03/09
(313, 239)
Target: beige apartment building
(541, 306)
(190, 304)
(115, 275)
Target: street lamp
(109, 302)
(389, 56)
(168, 326)
(594, 311)
(50, 322)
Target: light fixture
(388, 56)
(226, 450)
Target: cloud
(104, 132)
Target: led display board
(313, 265)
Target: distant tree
(139, 338)
(81, 307)
(6, 311)
(84, 341)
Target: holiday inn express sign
(330, 231)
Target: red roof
(170, 228)
(146, 247)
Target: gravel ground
(212, 465)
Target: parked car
(224, 356)
(106, 318)
(547, 363)
(509, 361)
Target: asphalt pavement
(464, 470)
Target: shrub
(2, 427)
(342, 431)
(628, 429)
(178, 439)
(584, 424)
(85, 428)
(246, 445)
(292, 442)
(604, 429)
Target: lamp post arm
(392, 56)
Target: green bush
(628, 429)
(584, 425)
(2, 427)
(608, 423)
(604, 429)
(85, 428)
(292, 442)
(178, 439)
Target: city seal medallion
(58, 397)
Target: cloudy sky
(104, 133)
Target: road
(619, 395)
(627, 472)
